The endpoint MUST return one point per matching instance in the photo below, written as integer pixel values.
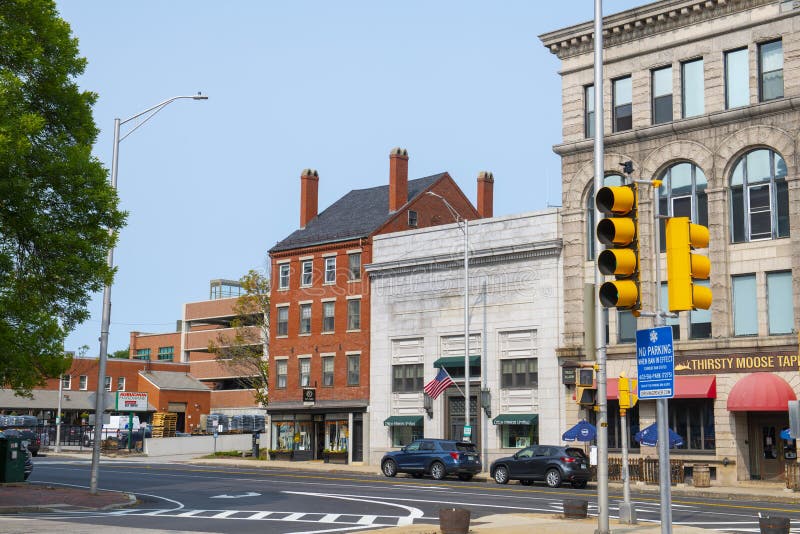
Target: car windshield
(575, 453)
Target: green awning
(403, 420)
(515, 419)
(456, 361)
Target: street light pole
(465, 229)
(99, 407)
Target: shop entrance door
(455, 418)
(766, 445)
(358, 441)
(319, 439)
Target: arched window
(759, 197)
(610, 179)
(683, 194)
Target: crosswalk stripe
(259, 515)
(293, 517)
(367, 520)
(330, 518)
(224, 514)
(190, 513)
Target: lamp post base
(627, 513)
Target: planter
(454, 520)
(701, 476)
(300, 456)
(335, 457)
(575, 508)
(286, 456)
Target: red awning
(760, 392)
(686, 387)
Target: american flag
(442, 381)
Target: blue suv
(435, 457)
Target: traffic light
(628, 396)
(585, 390)
(619, 231)
(683, 267)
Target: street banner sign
(131, 401)
(655, 361)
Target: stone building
(704, 96)
(417, 287)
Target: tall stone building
(704, 96)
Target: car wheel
(416, 475)
(501, 475)
(437, 470)
(579, 484)
(465, 476)
(526, 482)
(389, 468)
(553, 478)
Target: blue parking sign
(655, 362)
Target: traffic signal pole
(600, 318)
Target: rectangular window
(304, 365)
(407, 378)
(330, 270)
(669, 321)
(354, 266)
(66, 381)
(700, 320)
(307, 270)
(626, 327)
(779, 302)
(405, 435)
(519, 436)
(354, 314)
(107, 383)
(615, 425)
(745, 306)
(327, 371)
(737, 81)
(353, 369)
(166, 353)
(283, 277)
(662, 95)
(519, 373)
(283, 321)
(588, 111)
(693, 420)
(327, 316)
(281, 368)
(83, 382)
(623, 104)
(412, 218)
(760, 211)
(693, 88)
(770, 71)
(121, 383)
(305, 318)
(142, 354)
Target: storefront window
(693, 420)
(403, 435)
(283, 435)
(615, 425)
(519, 436)
(302, 436)
(336, 435)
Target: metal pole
(627, 513)
(58, 413)
(600, 321)
(466, 326)
(662, 410)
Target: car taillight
(454, 455)
(568, 459)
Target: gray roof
(357, 214)
(173, 381)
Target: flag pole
(454, 382)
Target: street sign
(467, 432)
(655, 361)
(131, 401)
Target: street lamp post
(465, 229)
(99, 407)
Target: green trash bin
(12, 459)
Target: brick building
(320, 309)
(702, 95)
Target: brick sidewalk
(24, 497)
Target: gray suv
(435, 457)
(551, 463)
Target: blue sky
(211, 185)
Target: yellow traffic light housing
(585, 390)
(683, 267)
(628, 393)
(619, 231)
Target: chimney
(309, 195)
(485, 194)
(398, 178)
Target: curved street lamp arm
(459, 219)
(155, 109)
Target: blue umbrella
(649, 437)
(583, 431)
(785, 434)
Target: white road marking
(413, 513)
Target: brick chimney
(309, 195)
(485, 194)
(398, 178)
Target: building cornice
(642, 23)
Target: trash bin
(12, 460)
(454, 520)
(701, 476)
(773, 525)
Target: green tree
(122, 354)
(246, 352)
(58, 214)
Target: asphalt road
(223, 499)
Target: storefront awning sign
(403, 420)
(515, 419)
(452, 362)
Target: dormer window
(412, 218)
